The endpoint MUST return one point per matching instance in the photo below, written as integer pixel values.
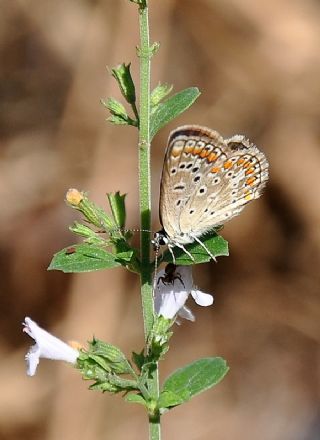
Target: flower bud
(74, 197)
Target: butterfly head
(159, 239)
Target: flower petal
(46, 346)
(168, 302)
(186, 313)
(170, 295)
(201, 298)
(174, 284)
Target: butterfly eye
(159, 239)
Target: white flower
(47, 346)
(174, 284)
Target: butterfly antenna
(131, 230)
(204, 247)
(156, 258)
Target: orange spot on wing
(204, 153)
(250, 181)
(227, 164)
(248, 195)
(175, 152)
(212, 157)
(188, 149)
(240, 162)
(249, 171)
(215, 169)
(197, 150)
(246, 165)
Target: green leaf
(191, 380)
(124, 79)
(118, 120)
(171, 108)
(105, 386)
(100, 361)
(169, 399)
(159, 337)
(138, 359)
(124, 257)
(114, 384)
(83, 230)
(83, 258)
(91, 370)
(115, 107)
(159, 93)
(216, 244)
(122, 383)
(135, 398)
(117, 205)
(90, 236)
(112, 354)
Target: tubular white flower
(172, 291)
(47, 346)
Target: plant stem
(135, 111)
(145, 199)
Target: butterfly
(206, 181)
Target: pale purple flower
(172, 291)
(47, 346)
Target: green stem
(145, 200)
(135, 111)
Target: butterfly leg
(171, 252)
(184, 250)
(204, 247)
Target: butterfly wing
(235, 178)
(207, 180)
(181, 164)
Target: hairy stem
(145, 200)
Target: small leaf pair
(162, 112)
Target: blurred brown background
(258, 67)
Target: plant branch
(145, 54)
